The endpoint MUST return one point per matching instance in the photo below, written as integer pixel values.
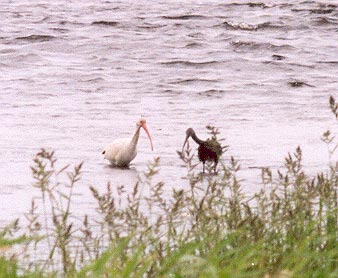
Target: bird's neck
(196, 139)
(136, 135)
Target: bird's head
(189, 132)
(143, 123)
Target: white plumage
(122, 151)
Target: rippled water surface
(77, 74)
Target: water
(75, 76)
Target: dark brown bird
(209, 150)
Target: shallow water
(75, 76)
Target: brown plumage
(209, 150)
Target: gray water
(75, 75)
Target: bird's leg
(203, 166)
(215, 165)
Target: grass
(289, 228)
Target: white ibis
(122, 151)
(209, 150)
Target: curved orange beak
(146, 130)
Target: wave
(321, 9)
(25, 58)
(328, 62)
(149, 26)
(249, 27)
(302, 65)
(66, 22)
(59, 30)
(193, 45)
(193, 80)
(189, 63)
(7, 50)
(211, 93)
(278, 57)
(92, 80)
(239, 26)
(184, 17)
(298, 84)
(36, 38)
(249, 4)
(325, 21)
(257, 45)
(105, 23)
